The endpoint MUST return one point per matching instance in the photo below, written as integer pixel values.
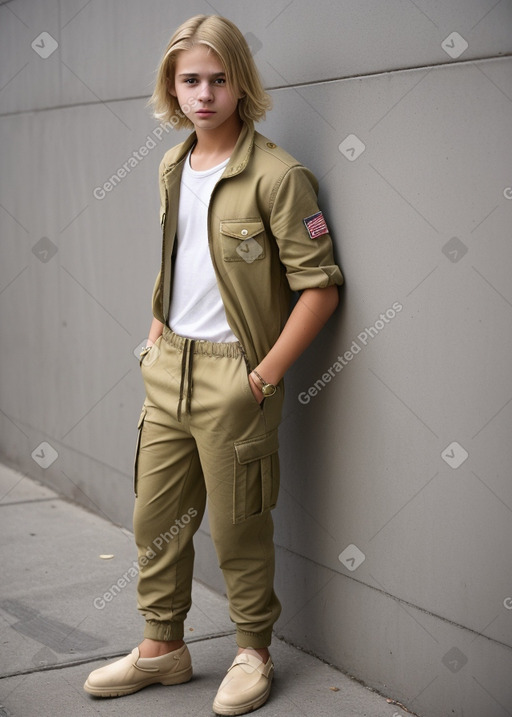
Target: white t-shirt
(197, 310)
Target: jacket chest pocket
(242, 240)
(256, 479)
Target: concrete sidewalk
(68, 604)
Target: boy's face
(201, 89)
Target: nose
(205, 92)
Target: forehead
(198, 60)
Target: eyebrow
(196, 74)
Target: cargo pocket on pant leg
(137, 448)
(256, 479)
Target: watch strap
(267, 389)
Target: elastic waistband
(232, 349)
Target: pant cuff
(155, 630)
(244, 638)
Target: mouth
(204, 113)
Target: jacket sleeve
(157, 300)
(309, 262)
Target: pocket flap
(256, 448)
(242, 229)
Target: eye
(190, 81)
(220, 81)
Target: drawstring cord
(187, 352)
(189, 377)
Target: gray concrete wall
(394, 524)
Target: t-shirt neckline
(205, 172)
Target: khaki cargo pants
(202, 434)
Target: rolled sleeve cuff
(315, 277)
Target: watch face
(268, 390)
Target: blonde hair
(228, 43)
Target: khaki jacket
(260, 246)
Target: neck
(220, 141)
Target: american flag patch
(316, 226)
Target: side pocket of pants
(150, 354)
(256, 479)
(137, 448)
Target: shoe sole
(177, 678)
(242, 709)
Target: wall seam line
(272, 88)
(396, 598)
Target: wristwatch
(267, 389)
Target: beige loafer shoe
(245, 687)
(132, 673)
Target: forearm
(310, 313)
(155, 331)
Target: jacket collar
(237, 162)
